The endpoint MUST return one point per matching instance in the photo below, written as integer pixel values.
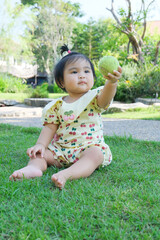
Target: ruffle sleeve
(50, 112)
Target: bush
(138, 81)
(44, 86)
(57, 89)
(53, 88)
(124, 93)
(39, 92)
(50, 88)
(100, 80)
(3, 84)
(10, 84)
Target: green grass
(150, 113)
(14, 96)
(120, 201)
(21, 96)
(56, 95)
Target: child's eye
(74, 72)
(87, 71)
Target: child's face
(78, 77)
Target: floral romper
(79, 127)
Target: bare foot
(26, 172)
(59, 180)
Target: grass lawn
(21, 96)
(120, 201)
(14, 96)
(150, 113)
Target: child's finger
(34, 153)
(42, 153)
(29, 150)
(116, 74)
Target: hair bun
(64, 48)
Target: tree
(53, 27)
(90, 38)
(128, 25)
(98, 38)
(10, 45)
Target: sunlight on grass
(14, 96)
(21, 96)
(150, 113)
(57, 95)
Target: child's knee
(95, 154)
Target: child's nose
(81, 77)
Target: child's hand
(38, 148)
(115, 76)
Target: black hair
(69, 58)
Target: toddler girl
(72, 136)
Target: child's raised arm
(43, 141)
(109, 90)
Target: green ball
(108, 64)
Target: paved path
(22, 115)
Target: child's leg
(36, 166)
(90, 159)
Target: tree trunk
(136, 47)
(157, 53)
(127, 26)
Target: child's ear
(60, 83)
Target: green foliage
(44, 90)
(89, 38)
(50, 88)
(120, 201)
(40, 92)
(149, 47)
(10, 84)
(100, 80)
(51, 30)
(138, 81)
(57, 89)
(53, 88)
(44, 86)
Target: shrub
(57, 89)
(44, 86)
(100, 80)
(39, 92)
(10, 84)
(3, 84)
(124, 93)
(138, 81)
(50, 88)
(53, 88)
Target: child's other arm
(109, 90)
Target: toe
(20, 175)
(59, 183)
(54, 178)
(11, 177)
(16, 175)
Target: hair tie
(69, 51)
